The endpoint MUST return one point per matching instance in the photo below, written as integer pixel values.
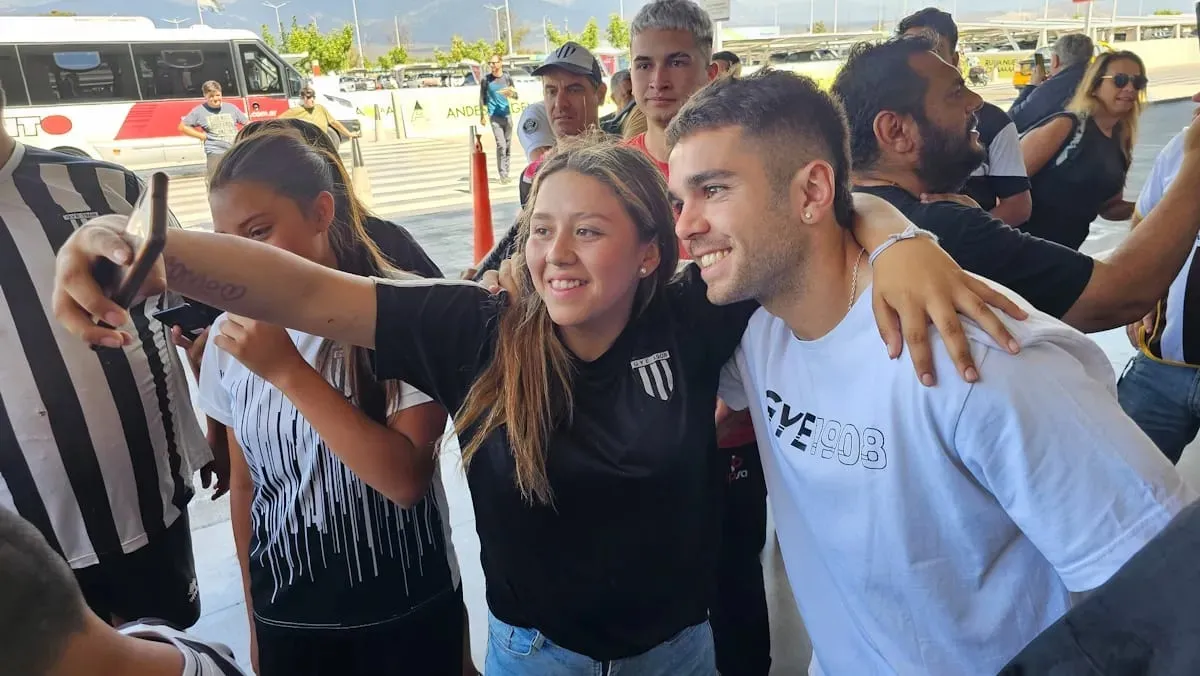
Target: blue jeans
(516, 651)
(1164, 401)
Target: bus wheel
(68, 150)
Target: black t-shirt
(625, 559)
(1050, 276)
(1070, 189)
(401, 247)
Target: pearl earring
(643, 271)
(807, 216)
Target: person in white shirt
(924, 530)
(47, 629)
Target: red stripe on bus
(156, 119)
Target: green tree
(618, 31)
(556, 38)
(268, 37)
(394, 57)
(590, 36)
(1167, 12)
(460, 50)
(59, 12)
(819, 27)
(331, 50)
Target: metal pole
(508, 23)
(200, 11)
(545, 38)
(496, 10)
(1087, 22)
(1046, 10)
(177, 22)
(396, 19)
(358, 33)
(812, 9)
(835, 16)
(622, 10)
(1114, 13)
(278, 21)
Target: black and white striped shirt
(96, 447)
(200, 658)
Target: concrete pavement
(447, 236)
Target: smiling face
(1119, 89)
(256, 211)
(584, 255)
(667, 69)
(572, 101)
(950, 148)
(734, 221)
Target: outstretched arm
(242, 276)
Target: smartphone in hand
(149, 222)
(192, 317)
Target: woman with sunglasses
(1077, 160)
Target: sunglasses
(1122, 80)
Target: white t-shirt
(938, 530)
(327, 550)
(200, 658)
(1162, 174)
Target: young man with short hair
(926, 530)
(214, 122)
(912, 133)
(671, 44)
(314, 113)
(47, 629)
(999, 185)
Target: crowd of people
(700, 309)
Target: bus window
(78, 73)
(10, 77)
(262, 73)
(295, 84)
(176, 70)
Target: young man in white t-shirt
(47, 629)
(925, 530)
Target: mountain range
(425, 24)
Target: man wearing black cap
(572, 89)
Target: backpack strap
(1078, 127)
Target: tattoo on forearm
(179, 275)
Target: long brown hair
(287, 163)
(1085, 102)
(527, 388)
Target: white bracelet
(911, 232)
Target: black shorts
(426, 642)
(156, 581)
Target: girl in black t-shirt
(584, 404)
(340, 576)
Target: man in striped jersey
(47, 629)
(96, 447)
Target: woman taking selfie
(1077, 160)
(583, 404)
(340, 577)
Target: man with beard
(912, 133)
(999, 184)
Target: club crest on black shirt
(655, 373)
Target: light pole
(835, 16)
(362, 58)
(496, 9)
(177, 22)
(278, 21)
(508, 24)
(545, 37)
(812, 14)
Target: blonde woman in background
(1078, 160)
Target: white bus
(115, 88)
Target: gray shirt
(221, 126)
